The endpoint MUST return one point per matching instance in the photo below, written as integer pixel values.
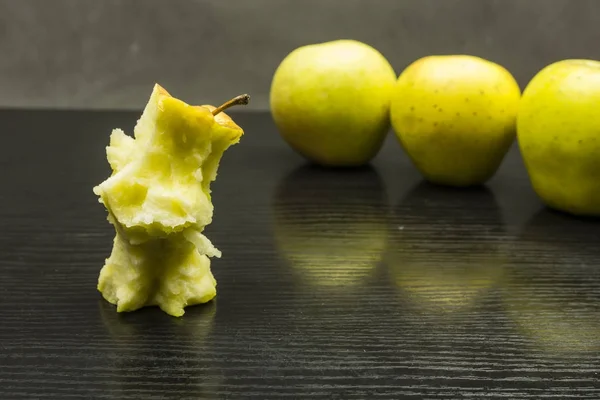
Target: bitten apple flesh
(158, 199)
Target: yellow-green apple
(330, 101)
(559, 135)
(455, 117)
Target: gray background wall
(108, 53)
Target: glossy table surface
(362, 284)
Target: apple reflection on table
(330, 226)
(139, 340)
(447, 250)
(552, 289)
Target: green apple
(330, 101)
(559, 135)
(455, 116)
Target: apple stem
(242, 99)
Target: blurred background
(108, 53)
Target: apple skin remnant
(158, 199)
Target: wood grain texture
(333, 284)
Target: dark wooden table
(333, 284)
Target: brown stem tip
(240, 100)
